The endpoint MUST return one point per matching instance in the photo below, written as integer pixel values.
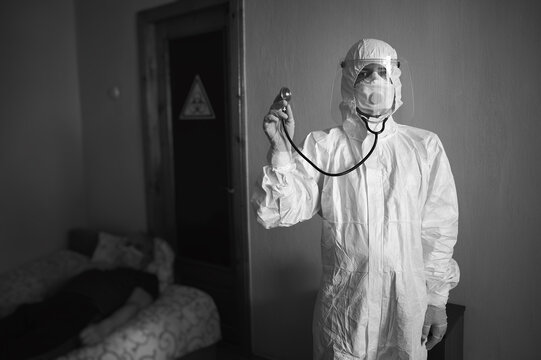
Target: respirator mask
(373, 92)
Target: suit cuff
(438, 300)
(281, 161)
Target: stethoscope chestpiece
(285, 94)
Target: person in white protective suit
(389, 227)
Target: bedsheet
(182, 320)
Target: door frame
(157, 139)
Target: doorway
(190, 61)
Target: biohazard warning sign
(197, 105)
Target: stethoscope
(285, 94)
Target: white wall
(476, 85)
(112, 132)
(41, 171)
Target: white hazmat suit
(389, 228)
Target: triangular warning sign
(197, 104)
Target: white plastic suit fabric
(388, 231)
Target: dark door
(195, 175)
(200, 131)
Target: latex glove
(272, 125)
(434, 327)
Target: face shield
(372, 89)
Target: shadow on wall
(295, 307)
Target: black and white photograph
(269, 180)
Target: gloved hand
(435, 326)
(272, 125)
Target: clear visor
(373, 89)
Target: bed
(183, 322)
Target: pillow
(110, 246)
(162, 265)
(108, 249)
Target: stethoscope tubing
(376, 133)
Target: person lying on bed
(85, 310)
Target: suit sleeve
(440, 227)
(287, 191)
